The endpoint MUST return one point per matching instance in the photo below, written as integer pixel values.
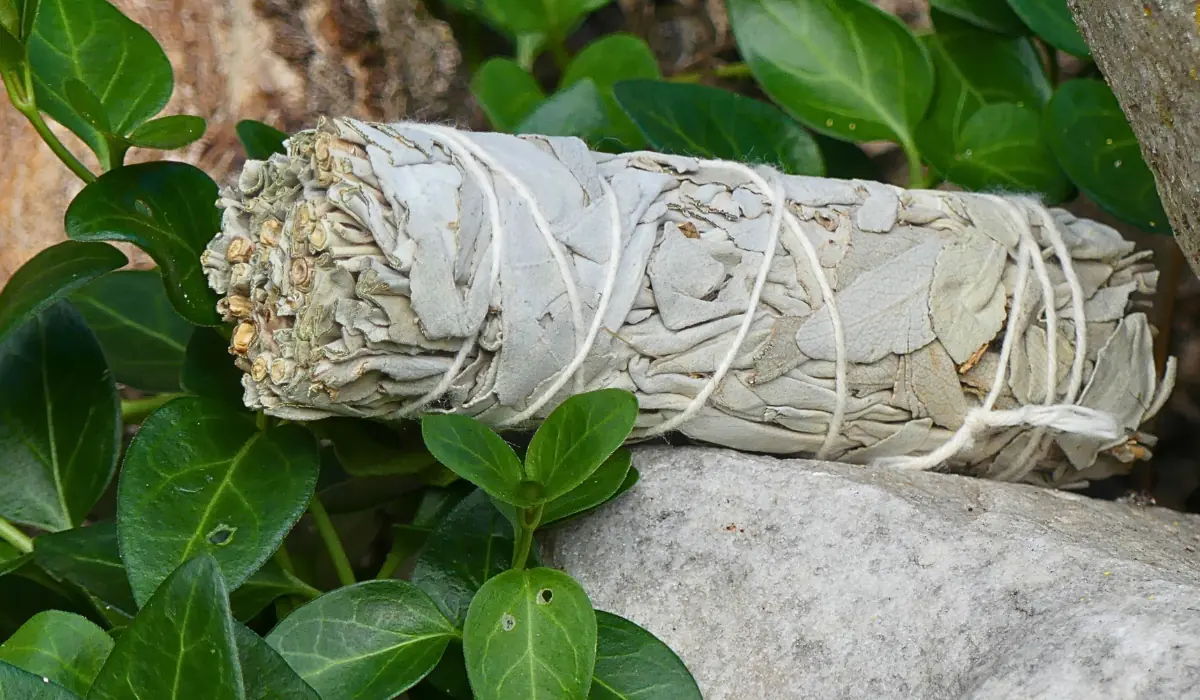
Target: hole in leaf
(221, 535)
(544, 596)
(508, 622)
(142, 208)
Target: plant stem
(329, 535)
(727, 71)
(916, 174)
(68, 158)
(390, 564)
(136, 410)
(529, 519)
(9, 533)
(284, 559)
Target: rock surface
(780, 579)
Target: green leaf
(555, 18)
(179, 645)
(89, 557)
(370, 448)
(87, 105)
(843, 67)
(261, 589)
(606, 62)
(199, 477)
(846, 160)
(260, 140)
(12, 58)
(25, 594)
(265, 674)
(51, 275)
(1002, 147)
(119, 62)
(576, 111)
(168, 133)
(1052, 21)
(208, 368)
(369, 641)
(28, 10)
(992, 15)
(167, 209)
(142, 336)
(10, 18)
(18, 684)
(597, 489)
(506, 93)
(449, 677)
(708, 122)
(65, 648)
(976, 68)
(1096, 146)
(60, 421)
(476, 453)
(577, 437)
(472, 544)
(632, 663)
(530, 634)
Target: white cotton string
(610, 280)
(839, 335)
(493, 204)
(1067, 417)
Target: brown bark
(285, 62)
(1150, 53)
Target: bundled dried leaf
(386, 270)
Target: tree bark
(1150, 53)
(285, 62)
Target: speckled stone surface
(780, 579)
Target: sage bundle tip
(388, 270)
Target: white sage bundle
(388, 270)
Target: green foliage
(142, 335)
(370, 641)
(89, 556)
(208, 369)
(707, 122)
(201, 478)
(181, 641)
(986, 14)
(1002, 147)
(606, 62)
(530, 634)
(166, 209)
(18, 683)
(1051, 20)
(65, 648)
(59, 421)
(260, 140)
(632, 663)
(52, 275)
(265, 674)
(506, 92)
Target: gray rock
(780, 579)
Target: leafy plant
(228, 551)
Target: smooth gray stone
(780, 579)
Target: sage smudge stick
(388, 270)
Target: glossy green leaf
(846, 160)
(1052, 21)
(12, 59)
(1002, 147)
(597, 489)
(370, 448)
(506, 92)
(260, 140)
(530, 634)
(199, 477)
(142, 335)
(370, 641)
(577, 437)
(119, 62)
(476, 453)
(270, 582)
(265, 674)
(208, 368)
(606, 62)
(576, 111)
(18, 684)
(555, 18)
(843, 67)
(168, 133)
(167, 209)
(180, 646)
(25, 594)
(708, 122)
(11, 559)
(1096, 146)
(632, 663)
(472, 544)
(63, 647)
(992, 15)
(51, 275)
(976, 68)
(449, 678)
(89, 557)
(60, 421)
(27, 11)
(10, 18)
(85, 103)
